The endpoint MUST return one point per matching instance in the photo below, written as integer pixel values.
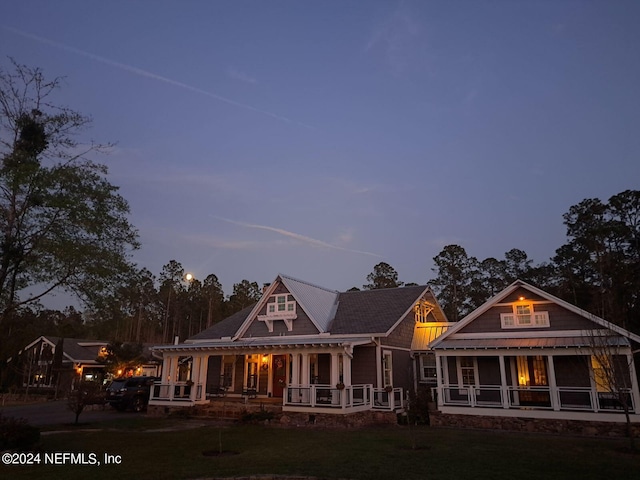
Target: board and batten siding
(559, 319)
(364, 366)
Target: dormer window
(282, 304)
(524, 316)
(279, 307)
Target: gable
(545, 319)
(524, 311)
(279, 313)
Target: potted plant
(388, 389)
(340, 386)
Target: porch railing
(536, 398)
(351, 397)
(177, 392)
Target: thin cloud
(238, 75)
(296, 236)
(145, 73)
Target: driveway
(57, 413)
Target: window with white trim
(467, 371)
(281, 305)
(428, 369)
(387, 369)
(523, 316)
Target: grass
(374, 453)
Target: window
(387, 369)
(227, 372)
(280, 305)
(251, 372)
(428, 371)
(467, 370)
(523, 316)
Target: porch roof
(524, 343)
(267, 343)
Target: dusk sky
(319, 138)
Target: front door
(279, 374)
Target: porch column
(305, 370)
(295, 369)
(503, 382)
(346, 369)
(195, 374)
(202, 380)
(553, 387)
(173, 375)
(439, 380)
(335, 370)
(635, 391)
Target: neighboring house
(36, 362)
(526, 353)
(80, 360)
(319, 350)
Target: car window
(116, 385)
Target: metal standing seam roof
(424, 335)
(520, 343)
(268, 342)
(318, 302)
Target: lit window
(523, 315)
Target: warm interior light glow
(521, 299)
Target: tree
(244, 294)
(62, 224)
(598, 269)
(383, 276)
(455, 272)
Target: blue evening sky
(319, 138)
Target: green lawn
(375, 453)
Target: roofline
(268, 292)
(284, 279)
(520, 283)
(392, 328)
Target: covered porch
(312, 376)
(539, 383)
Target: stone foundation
(519, 424)
(325, 420)
(235, 411)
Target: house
(36, 362)
(80, 360)
(315, 350)
(528, 354)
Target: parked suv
(132, 392)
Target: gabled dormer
(290, 307)
(279, 307)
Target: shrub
(17, 434)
